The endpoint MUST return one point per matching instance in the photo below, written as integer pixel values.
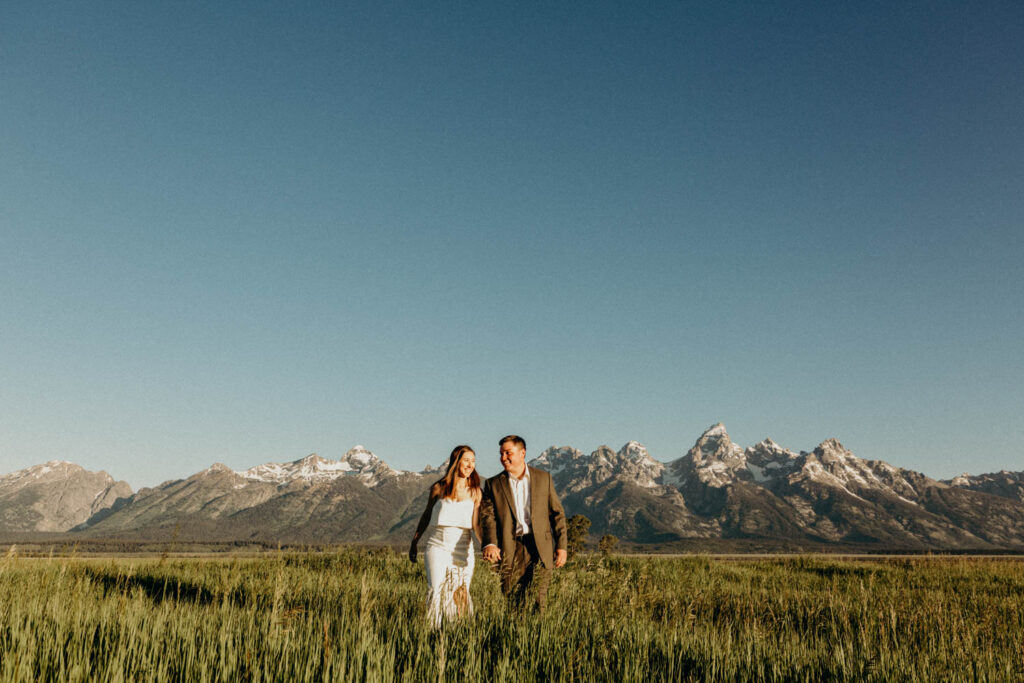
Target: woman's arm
(477, 528)
(423, 523)
(492, 553)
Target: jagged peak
(715, 444)
(770, 448)
(831, 451)
(632, 462)
(768, 461)
(431, 469)
(831, 445)
(51, 467)
(714, 459)
(715, 430)
(634, 450)
(559, 453)
(557, 458)
(218, 467)
(357, 461)
(359, 456)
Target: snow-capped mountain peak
(574, 471)
(714, 460)
(715, 430)
(554, 459)
(832, 464)
(47, 470)
(715, 490)
(1003, 483)
(770, 446)
(359, 458)
(768, 460)
(963, 479)
(635, 451)
(55, 496)
(358, 461)
(715, 445)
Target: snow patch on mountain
(48, 470)
(574, 471)
(556, 459)
(358, 462)
(1004, 483)
(961, 480)
(814, 470)
(758, 473)
(714, 461)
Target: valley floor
(358, 615)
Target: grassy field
(358, 615)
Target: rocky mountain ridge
(828, 495)
(716, 490)
(56, 496)
(310, 500)
(1004, 483)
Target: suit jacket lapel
(506, 491)
(537, 502)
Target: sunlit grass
(359, 615)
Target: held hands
(492, 553)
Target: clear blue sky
(244, 232)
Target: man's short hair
(517, 440)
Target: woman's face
(467, 464)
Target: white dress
(449, 560)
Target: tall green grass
(359, 615)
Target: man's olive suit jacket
(497, 514)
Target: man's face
(513, 458)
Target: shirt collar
(525, 477)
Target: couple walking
(517, 517)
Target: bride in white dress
(451, 516)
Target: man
(523, 525)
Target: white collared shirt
(521, 501)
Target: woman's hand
(413, 551)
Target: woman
(453, 511)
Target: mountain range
(717, 490)
(56, 496)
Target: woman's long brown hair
(447, 483)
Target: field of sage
(359, 615)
